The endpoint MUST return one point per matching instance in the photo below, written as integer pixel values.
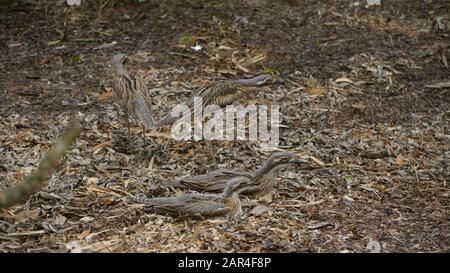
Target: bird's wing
(142, 104)
(206, 205)
(191, 204)
(158, 201)
(213, 181)
(119, 89)
(219, 93)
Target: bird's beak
(279, 81)
(298, 161)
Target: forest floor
(366, 99)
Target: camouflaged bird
(201, 204)
(223, 93)
(263, 179)
(132, 95)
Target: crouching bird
(132, 95)
(201, 205)
(263, 179)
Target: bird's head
(281, 159)
(236, 184)
(119, 59)
(261, 80)
(267, 79)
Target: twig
(36, 180)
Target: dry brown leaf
(105, 96)
(259, 210)
(267, 198)
(315, 159)
(400, 160)
(107, 201)
(84, 234)
(318, 225)
(346, 80)
(26, 214)
(357, 106)
(315, 91)
(59, 220)
(100, 146)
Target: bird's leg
(211, 150)
(127, 120)
(129, 130)
(143, 134)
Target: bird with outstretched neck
(263, 178)
(132, 95)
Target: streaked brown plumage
(200, 204)
(132, 95)
(222, 93)
(263, 178)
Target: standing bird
(263, 179)
(201, 204)
(132, 95)
(223, 93)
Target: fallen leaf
(105, 96)
(59, 220)
(107, 201)
(373, 247)
(74, 247)
(86, 219)
(438, 85)
(27, 214)
(92, 180)
(314, 91)
(259, 210)
(267, 198)
(400, 160)
(100, 146)
(318, 225)
(346, 80)
(84, 234)
(315, 159)
(358, 106)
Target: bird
(201, 205)
(132, 95)
(263, 177)
(223, 93)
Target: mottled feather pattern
(132, 94)
(207, 205)
(263, 178)
(234, 203)
(213, 181)
(221, 93)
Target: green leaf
(267, 70)
(186, 40)
(78, 58)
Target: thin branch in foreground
(38, 177)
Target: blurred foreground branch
(37, 178)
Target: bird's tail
(144, 200)
(166, 120)
(144, 112)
